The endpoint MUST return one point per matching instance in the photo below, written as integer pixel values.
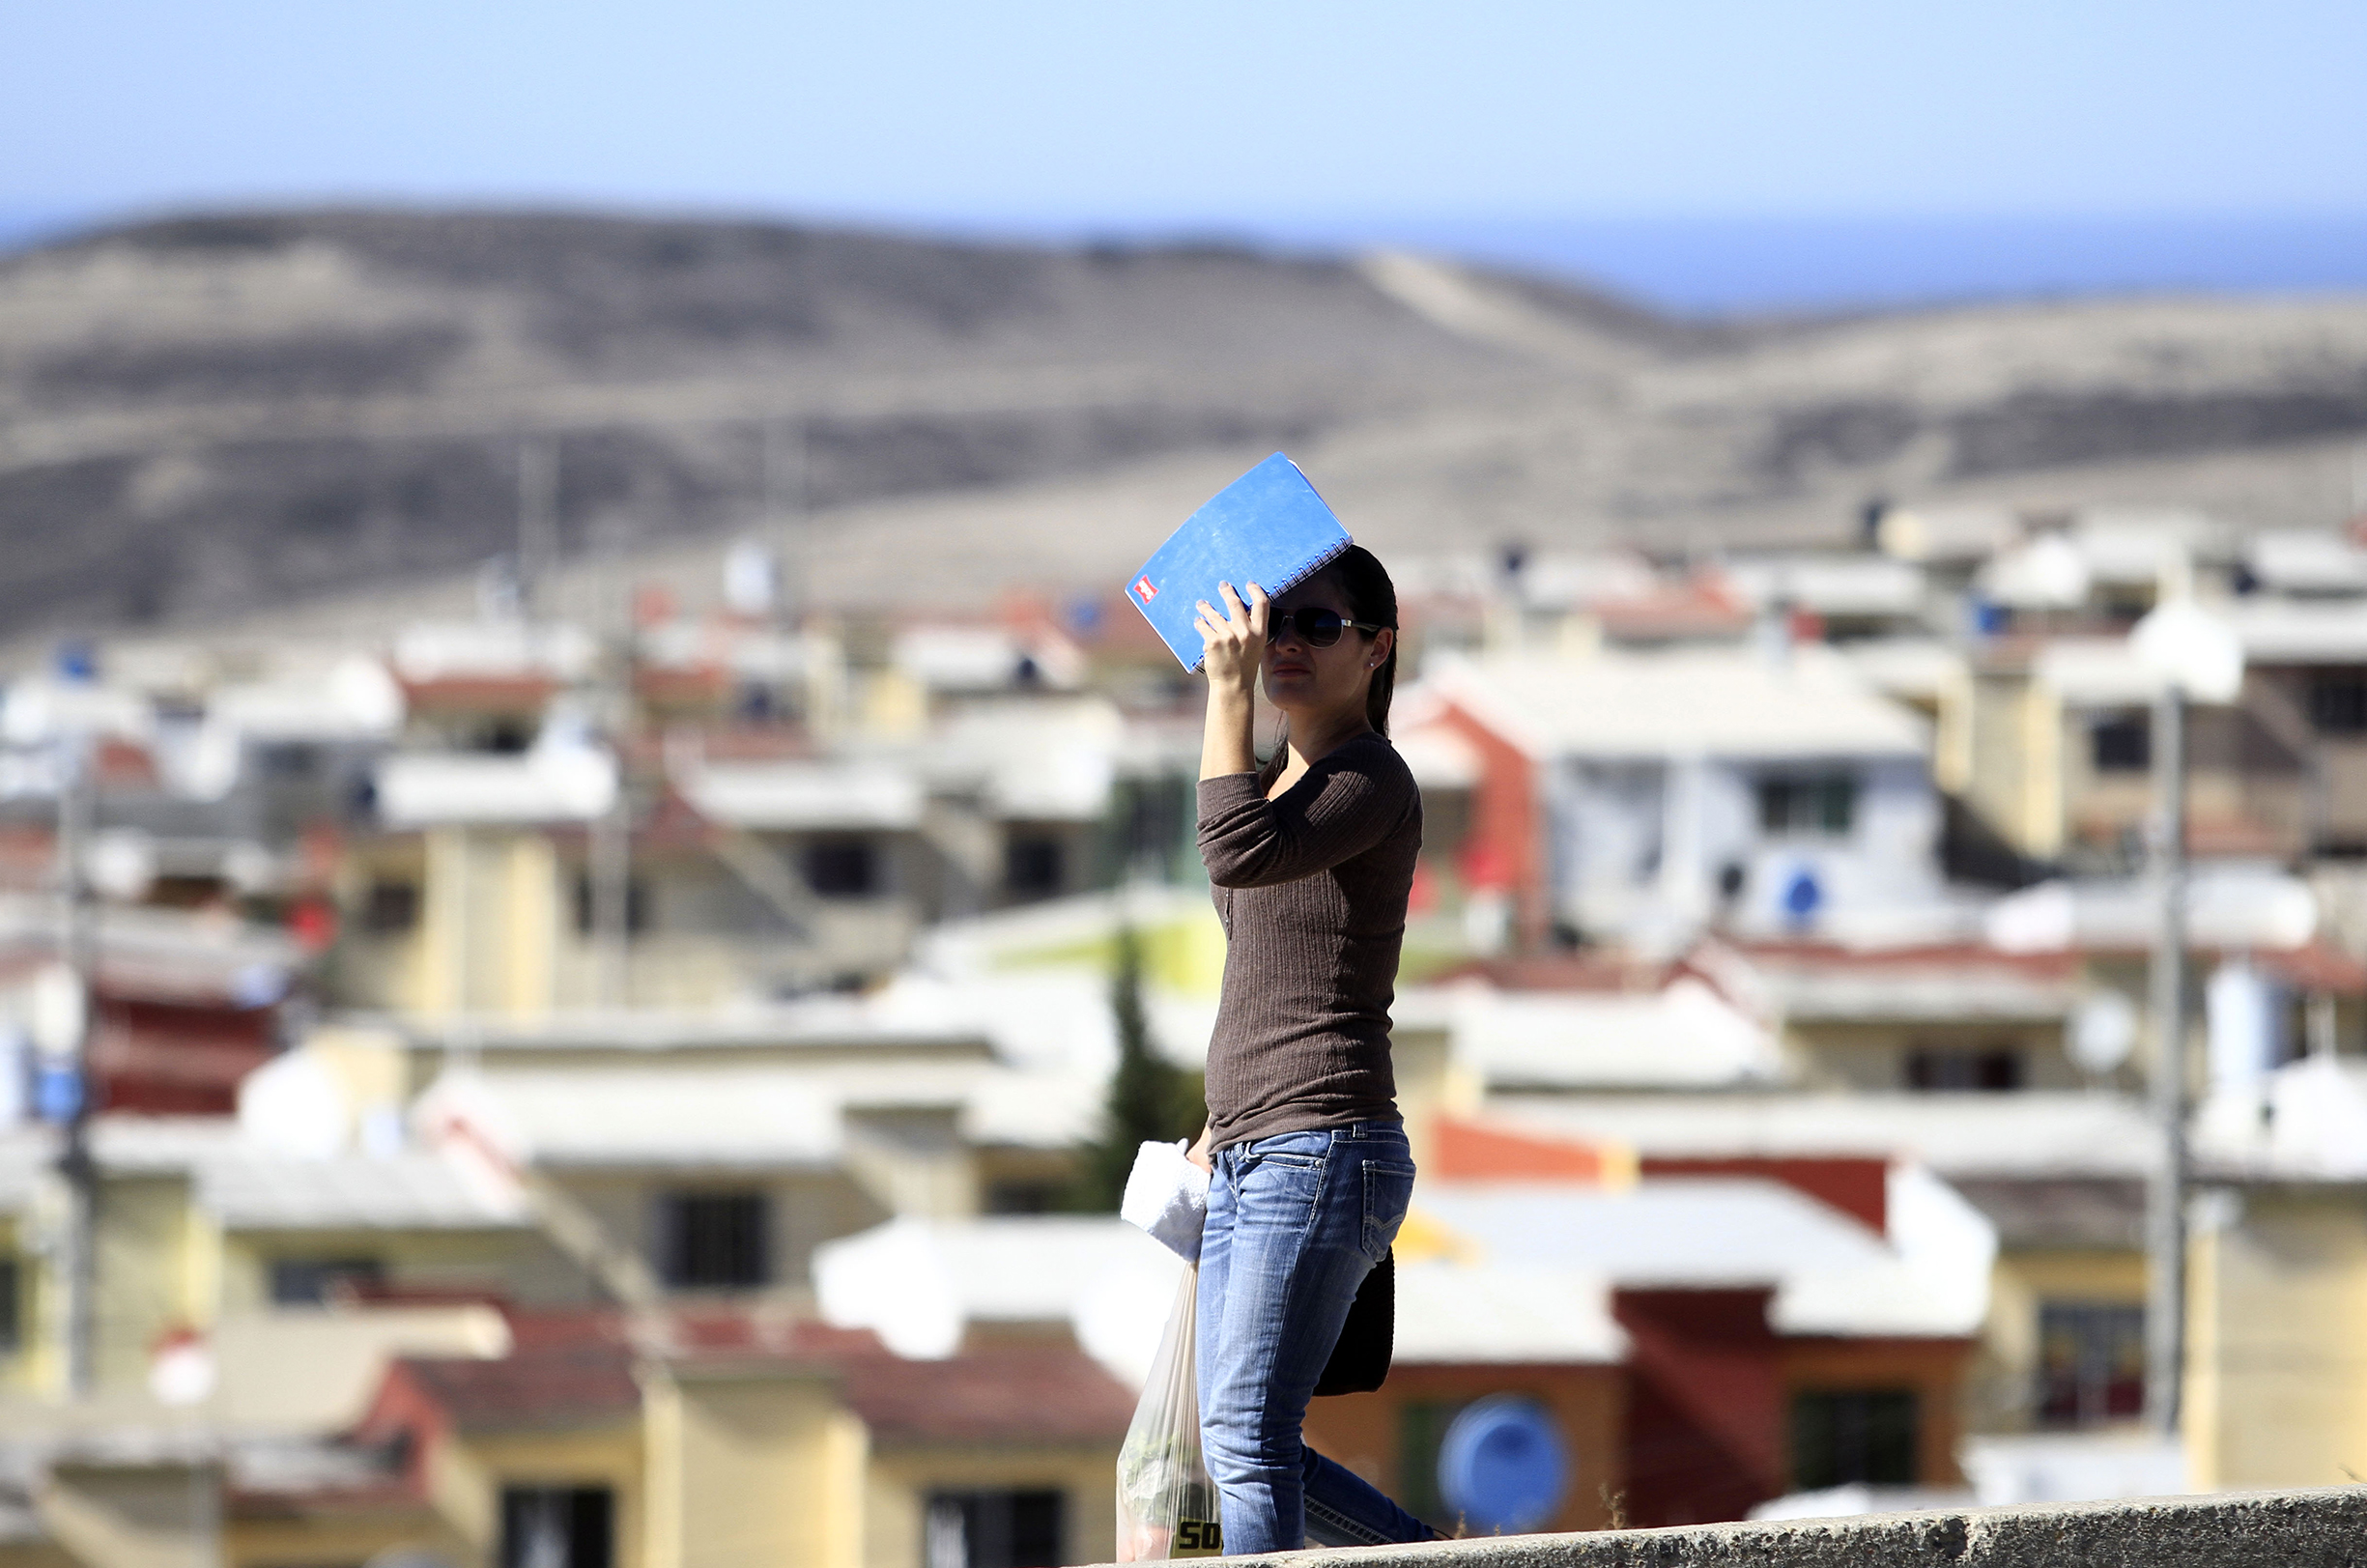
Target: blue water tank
(1503, 1466)
(1803, 897)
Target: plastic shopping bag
(1166, 1504)
(1167, 1195)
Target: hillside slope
(213, 416)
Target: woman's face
(1303, 679)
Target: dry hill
(219, 415)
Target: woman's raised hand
(1233, 639)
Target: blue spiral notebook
(1269, 526)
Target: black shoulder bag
(1360, 1360)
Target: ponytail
(1372, 598)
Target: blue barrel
(1503, 1466)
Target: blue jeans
(1294, 1223)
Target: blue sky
(1310, 121)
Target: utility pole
(2165, 1204)
(786, 492)
(538, 546)
(75, 1165)
(609, 872)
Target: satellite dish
(2103, 1032)
(1503, 1465)
(2193, 648)
(121, 863)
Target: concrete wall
(2289, 1529)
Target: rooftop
(2025, 1135)
(1714, 703)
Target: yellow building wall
(23, 1369)
(1872, 1056)
(481, 1259)
(466, 1478)
(346, 1536)
(896, 1500)
(806, 1211)
(154, 1272)
(2002, 1389)
(752, 1467)
(2277, 1372)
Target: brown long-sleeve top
(1311, 887)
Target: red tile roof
(577, 1369)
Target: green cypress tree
(1150, 1098)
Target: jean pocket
(1388, 1189)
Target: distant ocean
(1723, 267)
(1741, 265)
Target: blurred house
(1699, 1341)
(2278, 1273)
(1641, 797)
(595, 1440)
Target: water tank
(1503, 1467)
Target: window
(1023, 1197)
(1808, 806)
(994, 1529)
(312, 1281)
(1848, 1436)
(2338, 701)
(713, 1240)
(1034, 865)
(1421, 1427)
(559, 1526)
(12, 1308)
(2121, 744)
(2091, 1363)
(1954, 1070)
(391, 908)
(842, 867)
(293, 763)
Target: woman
(1311, 857)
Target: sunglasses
(1316, 628)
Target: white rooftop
(2227, 906)
(684, 1118)
(2032, 1134)
(493, 649)
(2299, 632)
(2306, 1121)
(1040, 759)
(920, 1284)
(2096, 671)
(547, 784)
(1830, 1273)
(249, 1186)
(1715, 702)
(1450, 1313)
(2308, 561)
(1941, 991)
(1685, 1037)
(1829, 584)
(806, 796)
(725, 1117)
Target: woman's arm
(1233, 642)
(1337, 811)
